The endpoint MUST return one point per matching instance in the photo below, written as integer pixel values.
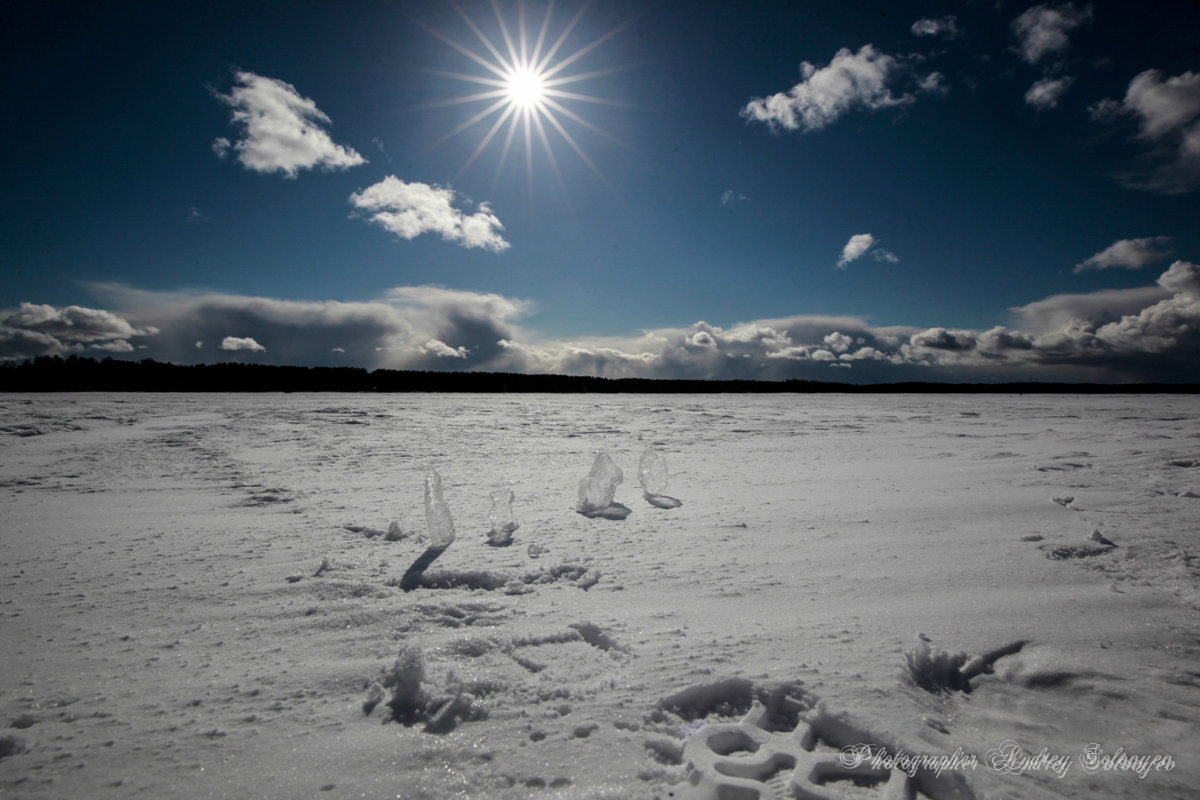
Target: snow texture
(167, 631)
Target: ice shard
(652, 472)
(597, 489)
(501, 518)
(437, 515)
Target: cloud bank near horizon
(1149, 333)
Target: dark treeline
(75, 374)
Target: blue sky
(857, 192)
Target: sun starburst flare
(524, 89)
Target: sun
(527, 88)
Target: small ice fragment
(597, 489)
(501, 518)
(652, 472)
(437, 515)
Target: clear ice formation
(652, 472)
(597, 489)
(501, 518)
(437, 515)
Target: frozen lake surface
(198, 592)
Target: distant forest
(75, 374)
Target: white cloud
(1043, 30)
(443, 350)
(1058, 311)
(1148, 333)
(862, 243)
(933, 83)
(850, 81)
(946, 26)
(729, 197)
(1165, 107)
(1168, 114)
(240, 343)
(411, 209)
(1128, 254)
(1182, 277)
(281, 131)
(34, 329)
(838, 342)
(1046, 93)
(859, 244)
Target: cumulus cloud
(411, 209)
(1167, 112)
(851, 81)
(443, 350)
(409, 327)
(1043, 30)
(859, 244)
(946, 26)
(1183, 278)
(1128, 254)
(1045, 93)
(281, 130)
(242, 343)
(862, 243)
(34, 329)
(1146, 333)
(1059, 311)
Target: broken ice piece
(437, 515)
(501, 518)
(652, 473)
(597, 489)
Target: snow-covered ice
(198, 598)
